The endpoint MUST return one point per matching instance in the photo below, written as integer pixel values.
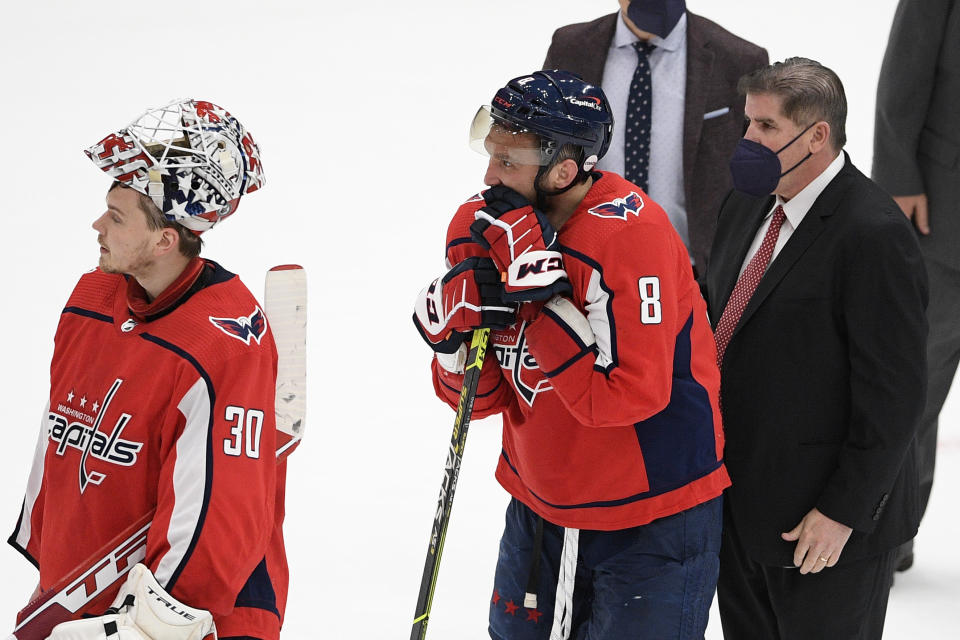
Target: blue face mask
(756, 169)
(658, 17)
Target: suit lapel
(699, 66)
(730, 273)
(595, 49)
(813, 224)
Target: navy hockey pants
(654, 581)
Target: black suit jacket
(917, 134)
(823, 380)
(716, 59)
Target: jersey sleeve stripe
(194, 456)
(458, 241)
(12, 541)
(23, 532)
(189, 483)
(582, 349)
(599, 307)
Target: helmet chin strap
(543, 194)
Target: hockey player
(607, 379)
(162, 389)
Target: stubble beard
(142, 263)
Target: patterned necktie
(747, 284)
(636, 141)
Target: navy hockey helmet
(559, 107)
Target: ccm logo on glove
(535, 269)
(522, 244)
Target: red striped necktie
(747, 284)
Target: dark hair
(577, 154)
(190, 243)
(810, 92)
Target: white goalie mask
(190, 157)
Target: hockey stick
(87, 588)
(468, 392)
(92, 585)
(285, 302)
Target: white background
(361, 110)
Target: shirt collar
(800, 204)
(623, 37)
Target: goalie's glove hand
(522, 243)
(468, 297)
(143, 610)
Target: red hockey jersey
(624, 432)
(173, 412)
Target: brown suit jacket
(716, 59)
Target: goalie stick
(92, 585)
(458, 440)
(285, 302)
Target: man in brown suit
(697, 114)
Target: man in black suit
(697, 114)
(821, 335)
(916, 157)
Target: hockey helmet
(190, 157)
(559, 107)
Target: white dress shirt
(795, 209)
(668, 70)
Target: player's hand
(468, 297)
(523, 245)
(915, 208)
(820, 541)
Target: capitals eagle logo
(244, 327)
(620, 207)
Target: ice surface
(362, 111)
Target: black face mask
(756, 169)
(658, 17)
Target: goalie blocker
(142, 610)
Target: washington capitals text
(88, 439)
(523, 368)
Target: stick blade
(285, 302)
(89, 588)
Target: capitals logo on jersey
(71, 428)
(525, 373)
(620, 208)
(245, 327)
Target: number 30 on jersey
(650, 308)
(245, 428)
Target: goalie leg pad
(143, 610)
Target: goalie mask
(191, 158)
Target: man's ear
(167, 241)
(562, 174)
(821, 136)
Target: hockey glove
(143, 610)
(467, 298)
(522, 244)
